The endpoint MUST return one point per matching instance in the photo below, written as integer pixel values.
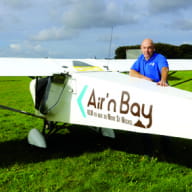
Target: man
(150, 65)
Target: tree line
(183, 51)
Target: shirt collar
(154, 55)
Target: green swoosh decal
(79, 100)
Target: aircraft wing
(45, 67)
(124, 65)
(180, 64)
(48, 67)
(28, 67)
(119, 65)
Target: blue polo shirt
(151, 68)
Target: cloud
(15, 47)
(35, 48)
(160, 6)
(93, 14)
(54, 33)
(18, 4)
(34, 28)
(183, 24)
(75, 17)
(26, 49)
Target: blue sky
(82, 28)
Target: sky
(89, 28)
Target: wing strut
(19, 111)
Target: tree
(186, 51)
(169, 51)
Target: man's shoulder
(161, 60)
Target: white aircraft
(94, 93)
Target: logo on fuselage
(118, 109)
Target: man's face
(147, 49)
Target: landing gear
(38, 139)
(105, 132)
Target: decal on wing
(82, 66)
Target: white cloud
(93, 14)
(77, 17)
(54, 34)
(26, 49)
(83, 27)
(15, 47)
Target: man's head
(147, 48)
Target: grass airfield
(79, 160)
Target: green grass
(80, 160)
(181, 80)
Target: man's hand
(164, 75)
(162, 83)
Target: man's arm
(164, 75)
(134, 73)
